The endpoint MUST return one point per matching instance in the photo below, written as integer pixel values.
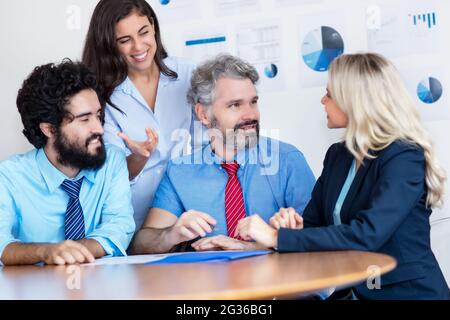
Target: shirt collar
(128, 87)
(53, 177)
(164, 80)
(242, 156)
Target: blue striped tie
(74, 224)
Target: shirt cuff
(110, 248)
(136, 179)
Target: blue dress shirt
(33, 204)
(273, 175)
(172, 119)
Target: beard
(74, 155)
(236, 138)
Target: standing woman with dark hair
(148, 115)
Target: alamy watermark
(266, 155)
(374, 279)
(73, 21)
(373, 17)
(73, 281)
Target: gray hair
(205, 77)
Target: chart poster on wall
(291, 3)
(225, 8)
(322, 39)
(260, 45)
(429, 88)
(176, 11)
(406, 28)
(200, 46)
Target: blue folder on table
(214, 256)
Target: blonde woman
(377, 188)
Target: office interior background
(291, 42)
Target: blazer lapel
(337, 178)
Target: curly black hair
(46, 92)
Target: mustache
(246, 123)
(93, 137)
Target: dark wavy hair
(100, 52)
(45, 94)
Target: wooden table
(263, 277)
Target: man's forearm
(94, 247)
(149, 240)
(23, 254)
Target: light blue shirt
(273, 175)
(337, 216)
(33, 204)
(172, 119)
(345, 188)
(340, 201)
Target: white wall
(37, 32)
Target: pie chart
(271, 71)
(320, 47)
(164, 2)
(429, 90)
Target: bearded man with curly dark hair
(67, 201)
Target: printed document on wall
(260, 45)
(321, 39)
(405, 28)
(429, 87)
(202, 45)
(288, 3)
(236, 7)
(174, 11)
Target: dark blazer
(384, 211)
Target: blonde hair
(380, 110)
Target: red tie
(234, 199)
